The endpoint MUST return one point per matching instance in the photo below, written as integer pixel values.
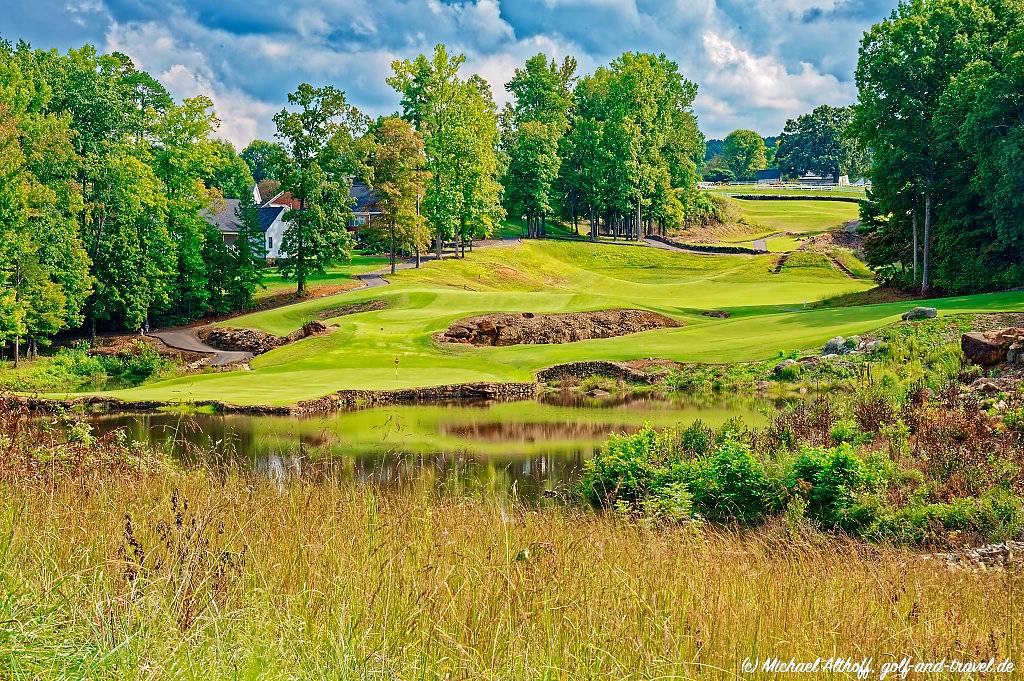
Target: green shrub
(731, 484)
(626, 467)
(76, 369)
(847, 431)
(829, 480)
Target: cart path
(186, 338)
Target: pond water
(530, 449)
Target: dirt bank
(527, 328)
(255, 341)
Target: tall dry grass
(193, 575)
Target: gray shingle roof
(365, 198)
(225, 218)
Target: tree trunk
(17, 351)
(392, 247)
(92, 329)
(417, 256)
(913, 222)
(437, 243)
(639, 222)
(925, 284)
(543, 225)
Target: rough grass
(184, 575)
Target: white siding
(273, 237)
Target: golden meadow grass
(187, 574)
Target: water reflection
(530, 449)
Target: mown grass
(771, 313)
(801, 217)
(853, 192)
(189, 575)
(336, 276)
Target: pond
(529, 449)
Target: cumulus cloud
(760, 90)
(186, 72)
(757, 62)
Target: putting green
(800, 217)
(768, 316)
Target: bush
(828, 480)
(626, 467)
(732, 484)
(73, 369)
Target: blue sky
(757, 62)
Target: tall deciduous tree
(317, 137)
(458, 122)
(906, 67)
(821, 142)
(259, 156)
(395, 169)
(744, 151)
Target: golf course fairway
(768, 314)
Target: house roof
(769, 174)
(267, 215)
(223, 215)
(365, 198)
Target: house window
(357, 221)
(270, 243)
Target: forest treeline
(108, 182)
(105, 179)
(941, 107)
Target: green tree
(318, 157)
(458, 122)
(820, 142)
(260, 156)
(907, 64)
(183, 154)
(744, 151)
(394, 158)
(533, 128)
(533, 164)
(230, 173)
(248, 258)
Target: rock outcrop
(920, 313)
(255, 341)
(989, 348)
(527, 328)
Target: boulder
(313, 328)
(836, 346)
(783, 365)
(992, 347)
(920, 313)
(717, 314)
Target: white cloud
(186, 73)
(759, 89)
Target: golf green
(768, 316)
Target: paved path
(761, 244)
(188, 339)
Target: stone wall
(459, 392)
(574, 372)
(707, 248)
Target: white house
(273, 204)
